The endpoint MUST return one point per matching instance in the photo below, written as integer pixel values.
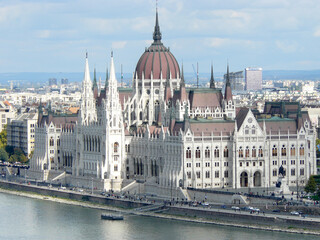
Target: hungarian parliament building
(171, 137)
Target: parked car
(247, 208)
(295, 213)
(276, 210)
(235, 208)
(256, 210)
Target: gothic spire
(183, 93)
(228, 76)
(86, 71)
(157, 33)
(94, 79)
(227, 91)
(112, 71)
(167, 93)
(182, 76)
(107, 78)
(212, 84)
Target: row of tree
(9, 153)
(313, 185)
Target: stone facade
(171, 137)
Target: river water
(26, 218)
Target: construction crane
(196, 73)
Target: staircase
(185, 193)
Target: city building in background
(7, 111)
(21, 131)
(64, 81)
(236, 80)
(52, 81)
(253, 78)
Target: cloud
(43, 33)
(317, 32)
(287, 46)
(228, 42)
(119, 44)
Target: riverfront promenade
(212, 213)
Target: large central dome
(157, 59)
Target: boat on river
(111, 217)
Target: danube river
(26, 218)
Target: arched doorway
(257, 179)
(244, 179)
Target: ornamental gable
(249, 125)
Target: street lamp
(92, 186)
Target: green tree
(3, 137)
(311, 186)
(31, 154)
(3, 155)
(13, 158)
(318, 147)
(17, 155)
(9, 150)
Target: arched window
(226, 152)
(254, 152)
(207, 152)
(293, 150)
(116, 147)
(260, 154)
(283, 151)
(247, 152)
(301, 150)
(274, 151)
(246, 130)
(198, 155)
(188, 153)
(216, 152)
(58, 142)
(274, 172)
(51, 142)
(240, 152)
(253, 131)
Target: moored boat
(111, 217)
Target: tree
(31, 154)
(3, 155)
(9, 150)
(3, 137)
(318, 147)
(17, 155)
(311, 186)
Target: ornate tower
(114, 139)
(228, 103)
(88, 111)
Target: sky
(53, 35)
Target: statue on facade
(281, 171)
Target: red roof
(157, 59)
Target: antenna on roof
(196, 73)
(121, 76)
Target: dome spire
(157, 33)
